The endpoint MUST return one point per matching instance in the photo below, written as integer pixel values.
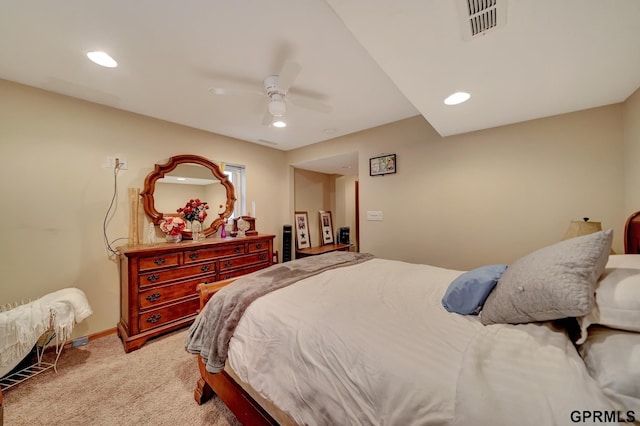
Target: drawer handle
(205, 268)
(193, 256)
(228, 263)
(258, 246)
(160, 261)
(237, 249)
(154, 318)
(153, 297)
(208, 282)
(153, 278)
(263, 256)
(228, 277)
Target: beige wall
(314, 192)
(459, 202)
(55, 193)
(489, 196)
(346, 205)
(631, 128)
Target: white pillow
(624, 261)
(618, 299)
(617, 296)
(612, 358)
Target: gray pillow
(554, 282)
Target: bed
(346, 338)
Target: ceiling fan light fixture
(277, 107)
(102, 59)
(457, 98)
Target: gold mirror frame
(161, 169)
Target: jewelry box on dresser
(159, 282)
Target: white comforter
(372, 344)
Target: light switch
(374, 215)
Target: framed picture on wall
(326, 227)
(383, 165)
(303, 240)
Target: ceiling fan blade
(288, 74)
(311, 104)
(225, 91)
(267, 118)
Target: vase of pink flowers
(195, 210)
(172, 228)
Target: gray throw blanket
(211, 332)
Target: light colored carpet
(100, 385)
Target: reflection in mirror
(187, 182)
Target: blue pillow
(467, 293)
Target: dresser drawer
(213, 253)
(237, 262)
(258, 246)
(163, 294)
(163, 276)
(159, 261)
(161, 316)
(232, 273)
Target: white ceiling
(392, 60)
(171, 52)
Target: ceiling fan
(276, 90)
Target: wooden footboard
(206, 290)
(245, 408)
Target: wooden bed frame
(246, 409)
(632, 234)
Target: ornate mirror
(186, 177)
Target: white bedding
(372, 344)
(613, 359)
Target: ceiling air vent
(481, 16)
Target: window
(237, 176)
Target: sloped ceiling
(549, 57)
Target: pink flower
(172, 226)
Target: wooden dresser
(158, 283)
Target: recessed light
(181, 178)
(279, 123)
(103, 59)
(457, 98)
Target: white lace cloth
(22, 326)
